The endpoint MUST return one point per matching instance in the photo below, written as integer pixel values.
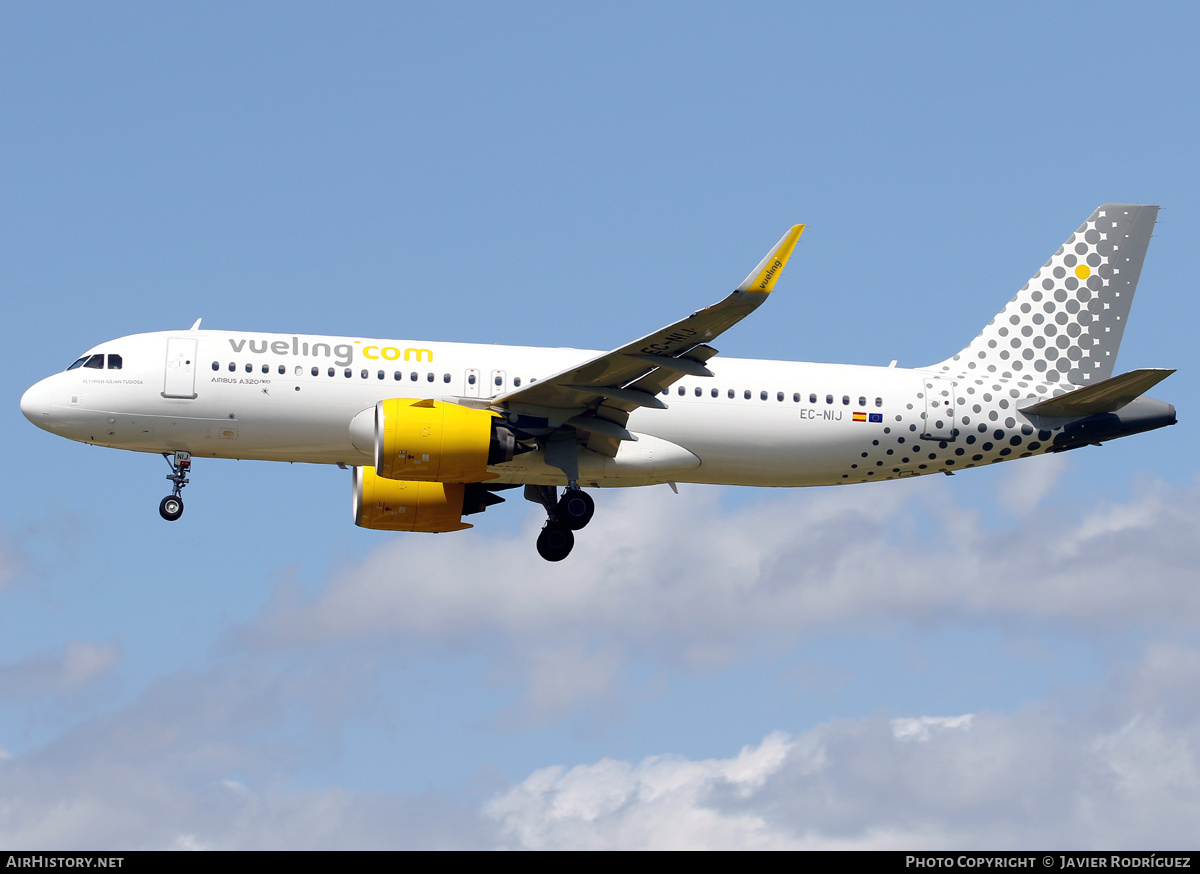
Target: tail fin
(1066, 322)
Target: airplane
(431, 432)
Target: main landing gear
(171, 507)
(564, 516)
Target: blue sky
(1004, 658)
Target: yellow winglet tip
(763, 279)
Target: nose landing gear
(564, 516)
(171, 507)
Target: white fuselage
(282, 397)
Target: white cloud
(75, 665)
(206, 758)
(559, 680)
(1030, 482)
(923, 728)
(201, 760)
(656, 804)
(1046, 776)
(694, 583)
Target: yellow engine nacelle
(428, 441)
(399, 505)
(403, 505)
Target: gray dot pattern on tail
(1065, 324)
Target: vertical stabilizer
(1066, 322)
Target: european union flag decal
(876, 417)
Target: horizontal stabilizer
(1103, 397)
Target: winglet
(762, 278)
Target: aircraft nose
(35, 404)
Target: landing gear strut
(564, 516)
(171, 507)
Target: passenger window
(114, 362)
(846, 400)
(499, 381)
(283, 370)
(862, 401)
(762, 395)
(298, 370)
(316, 371)
(879, 402)
(413, 376)
(266, 368)
(829, 399)
(681, 391)
(517, 382)
(796, 397)
(216, 365)
(730, 394)
(397, 376)
(812, 398)
(381, 374)
(446, 378)
(232, 367)
(779, 396)
(249, 367)
(349, 373)
(331, 371)
(364, 373)
(429, 377)
(746, 394)
(471, 379)
(715, 393)
(699, 391)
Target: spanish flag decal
(860, 417)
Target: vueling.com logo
(343, 353)
(391, 353)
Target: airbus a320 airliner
(432, 431)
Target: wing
(596, 397)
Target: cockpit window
(96, 361)
(79, 363)
(114, 362)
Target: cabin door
(180, 379)
(939, 409)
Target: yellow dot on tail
(1083, 271)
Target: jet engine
(435, 441)
(402, 505)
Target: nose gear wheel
(171, 507)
